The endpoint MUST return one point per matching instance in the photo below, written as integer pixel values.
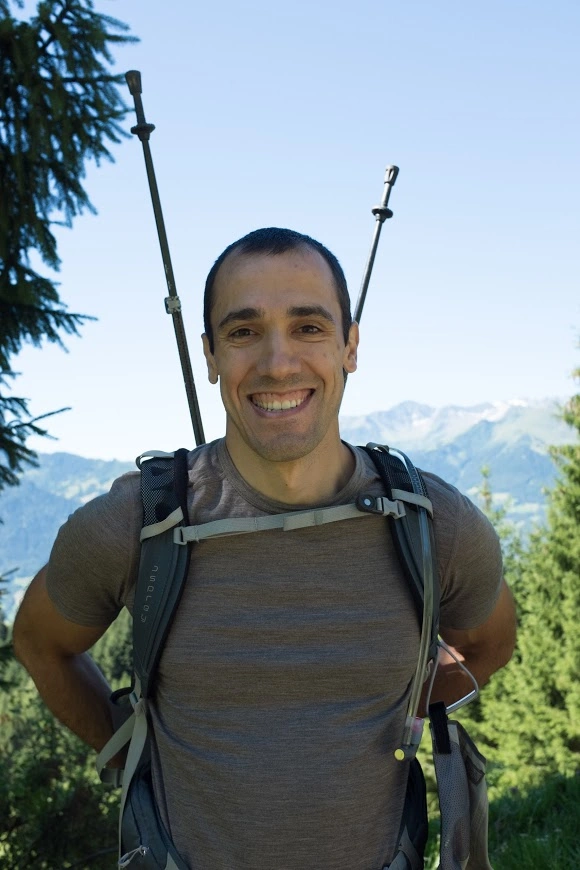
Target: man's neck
(313, 479)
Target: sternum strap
(287, 522)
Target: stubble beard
(285, 447)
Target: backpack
(144, 841)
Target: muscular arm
(53, 651)
(483, 650)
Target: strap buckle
(381, 506)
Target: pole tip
(133, 79)
(391, 173)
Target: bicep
(494, 639)
(39, 629)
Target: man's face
(279, 354)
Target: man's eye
(241, 332)
(310, 329)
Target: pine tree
(509, 534)
(481, 717)
(59, 108)
(531, 710)
(550, 640)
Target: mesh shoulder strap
(399, 474)
(164, 564)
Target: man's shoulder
(466, 541)
(441, 491)
(204, 461)
(449, 501)
(117, 508)
(123, 491)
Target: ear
(350, 351)
(212, 371)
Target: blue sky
(287, 114)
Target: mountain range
(511, 438)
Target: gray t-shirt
(281, 692)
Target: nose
(278, 358)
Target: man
(281, 693)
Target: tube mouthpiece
(391, 173)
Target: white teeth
(278, 406)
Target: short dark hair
(272, 241)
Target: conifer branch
(50, 27)
(59, 107)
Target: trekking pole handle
(381, 213)
(142, 129)
(133, 78)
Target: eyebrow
(294, 311)
(311, 311)
(241, 314)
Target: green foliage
(509, 535)
(527, 720)
(51, 807)
(537, 829)
(531, 709)
(16, 426)
(54, 812)
(481, 717)
(6, 653)
(59, 107)
(114, 651)
(530, 830)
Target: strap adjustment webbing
(288, 521)
(414, 498)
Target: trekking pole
(381, 213)
(172, 302)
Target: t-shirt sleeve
(470, 559)
(94, 561)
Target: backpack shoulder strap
(403, 482)
(414, 542)
(164, 564)
(459, 767)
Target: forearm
(482, 650)
(75, 691)
(451, 683)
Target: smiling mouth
(280, 401)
